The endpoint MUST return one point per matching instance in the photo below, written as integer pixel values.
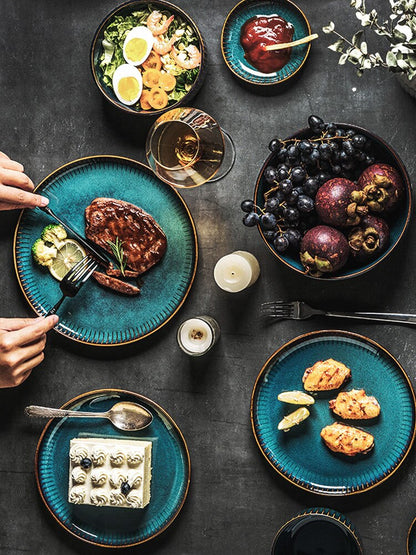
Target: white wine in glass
(186, 148)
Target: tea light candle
(197, 335)
(236, 271)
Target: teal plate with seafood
(300, 455)
(107, 526)
(99, 316)
(233, 52)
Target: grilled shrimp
(191, 61)
(162, 47)
(153, 23)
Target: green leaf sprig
(119, 254)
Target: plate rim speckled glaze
(409, 197)
(73, 164)
(304, 484)
(140, 398)
(276, 82)
(413, 524)
(327, 513)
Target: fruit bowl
(187, 83)
(398, 221)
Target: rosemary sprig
(119, 254)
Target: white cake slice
(110, 472)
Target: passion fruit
(323, 250)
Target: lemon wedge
(296, 398)
(67, 256)
(293, 419)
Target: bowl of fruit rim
(331, 201)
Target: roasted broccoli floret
(43, 254)
(55, 234)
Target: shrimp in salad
(162, 46)
(156, 27)
(192, 60)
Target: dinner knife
(98, 252)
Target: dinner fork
(298, 310)
(74, 280)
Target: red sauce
(261, 31)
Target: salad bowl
(106, 54)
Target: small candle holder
(198, 335)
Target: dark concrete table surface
(51, 113)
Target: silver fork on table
(298, 310)
(74, 280)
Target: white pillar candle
(197, 335)
(236, 271)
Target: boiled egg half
(127, 84)
(137, 45)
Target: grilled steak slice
(111, 271)
(116, 284)
(144, 242)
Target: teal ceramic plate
(317, 530)
(398, 221)
(233, 52)
(98, 316)
(411, 539)
(107, 526)
(299, 455)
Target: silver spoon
(126, 416)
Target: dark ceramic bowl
(96, 51)
(233, 52)
(398, 221)
(317, 530)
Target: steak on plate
(144, 242)
(116, 284)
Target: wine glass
(186, 147)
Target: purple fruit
(340, 203)
(323, 250)
(382, 186)
(369, 239)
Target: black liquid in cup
(315, 535)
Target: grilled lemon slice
(68, 255)
(293, 419)
(296, 398)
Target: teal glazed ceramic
(96, 50)
(317, 530)
(99, 316)
(411, 539)
(233, 52)
(300, 455)
(108, 526)
(398, 221)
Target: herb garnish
(119, 254)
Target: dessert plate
(233, 52)
(99, 316)
(107, 526)
(299, 455)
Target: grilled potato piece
(325, 375)
(355, 405)
(347, 440)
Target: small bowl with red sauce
(253, 24)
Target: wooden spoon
(283, 45)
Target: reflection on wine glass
(186, 147)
